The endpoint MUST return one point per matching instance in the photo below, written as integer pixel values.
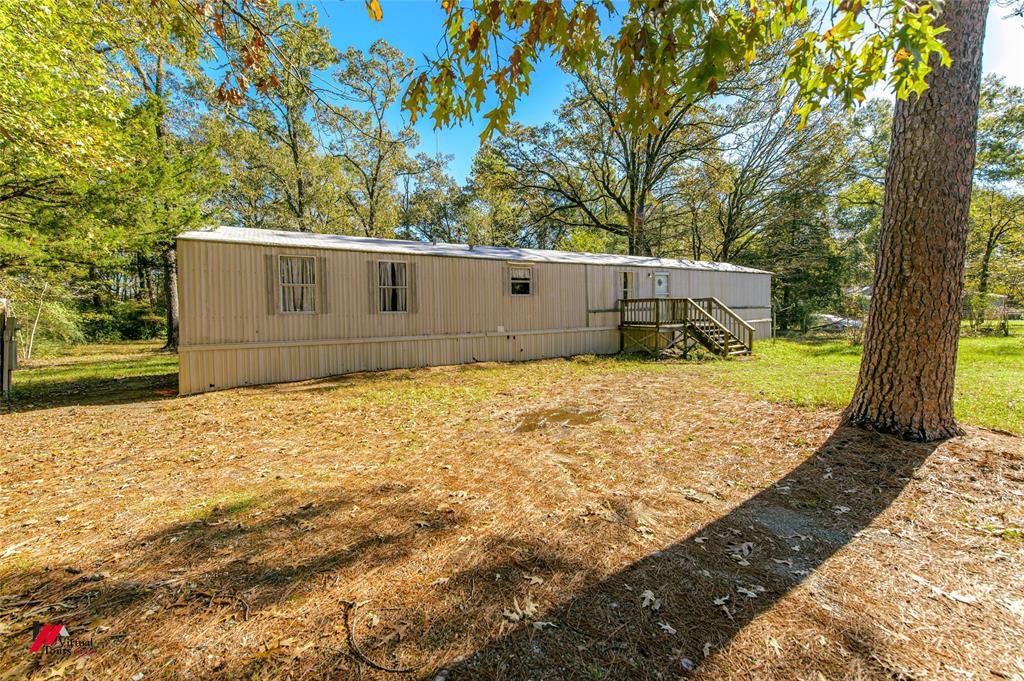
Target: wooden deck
(674, 326)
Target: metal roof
(266, 237)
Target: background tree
(77, 80)
(858, 208)
(280, 178)
(1000, 132)
(438, 209)
(997, 229)
(508, 215)
(997, 211)
(597, 172)
(773, 171)
(808, 265)
(374, 157)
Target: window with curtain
(521, 281)
(298, 283)
(393, 286)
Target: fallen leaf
(667, 628)
(742, 549)
(648, 600)
(395, 635)
(750, 591)
(519, 613)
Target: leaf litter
(313, 497)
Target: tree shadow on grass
(714, 582)
(251, 556)
(223, 564)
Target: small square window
(392, 286)
(298, 283)
(521, 281)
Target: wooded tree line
(185, 129)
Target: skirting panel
(222, 367)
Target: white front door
(661, 284)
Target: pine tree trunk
(906, 377)
(170, 262)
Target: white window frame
(407, 286)
(668, 282)
(282, 285)
(627, 284)
(512, 280)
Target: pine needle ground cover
(583, 519)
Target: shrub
(137, 320)
(99, 327)
(128, 320)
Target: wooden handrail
(710, 317)
(744, 331)
(732, 314)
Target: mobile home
(261, 306)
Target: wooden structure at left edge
(262, 306)
(8, 348)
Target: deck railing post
(622, 324)
(686, 328)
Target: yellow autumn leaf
(374, 10)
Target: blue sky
(414, 26)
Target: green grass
(808, 373)
(95, 373)
(822, 373)
(224, 505)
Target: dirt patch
(687, 532)
(558, 416)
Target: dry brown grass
(222, 535)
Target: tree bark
(905, 386)
(170, 263)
